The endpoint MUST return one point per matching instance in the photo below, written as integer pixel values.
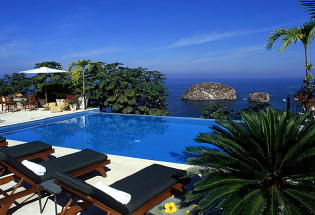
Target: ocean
(278, 89)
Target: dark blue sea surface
(278, 89)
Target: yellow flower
(170, 208)
(187, 211)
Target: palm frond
(261, 164)
(274, 36)
(307, 199)
(310, 4)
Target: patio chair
(9, 104)
(2, 102)
(32, 102)
(147, 187)
(76, 164)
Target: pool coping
(53, 119)
(170, 117)
(44, 121)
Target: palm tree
(311, 5)
(79, 69)
(264, 165)
(305, 34)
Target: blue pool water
(148, 137)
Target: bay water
(278, 89)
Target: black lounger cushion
(19, 167)
(147, 183)
(143, 186)
(2, 139)
(72, 162)
(25, 149)
(89, 190)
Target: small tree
(256, 106)
(263, 164)
(14, 83)
(217, 111)
(80, 70)
(304, 34)
(58, 85)
(49, 64)
(126, 90)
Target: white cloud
(229, 54)
(10, 48)
(90, 53)
(205, 38)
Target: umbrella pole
(46, 97)
(84, 100)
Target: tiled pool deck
(10, 118)
(119, 168)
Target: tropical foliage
(83, 74)
(49, 64)
(304, 34)
(217, 111)
(121, 89)
(73, 99)
(58, 84)
(257, 106)
(14, 83)
(310, 4)
(116, 88)
(264, 165)
(127, 90)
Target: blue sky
(180, 38)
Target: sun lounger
(147, 187)
(3, 142)
(76, 164)
(29, 151)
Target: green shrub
(265, 165)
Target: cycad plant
(304, 34)
(265, 164)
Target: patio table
(20, 102)
(51, 189)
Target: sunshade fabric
(43, 70)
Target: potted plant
(73, 101)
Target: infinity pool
(148, 137)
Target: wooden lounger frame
(4, 143)
(42, 155)
(9, 199)
(88, 201)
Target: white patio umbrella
(43, 70)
